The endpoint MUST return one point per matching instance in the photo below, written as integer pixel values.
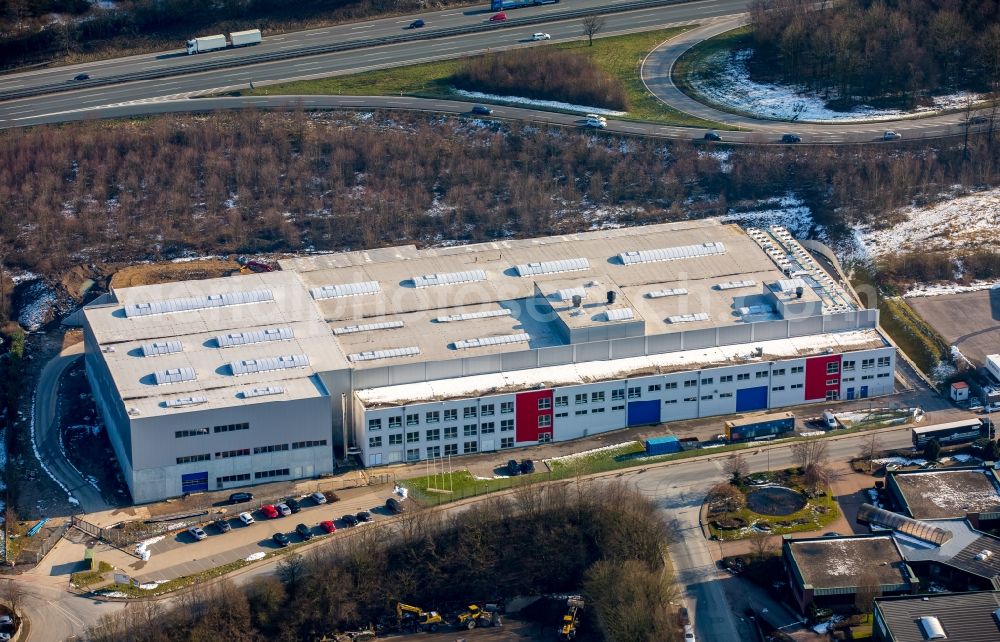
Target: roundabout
(775, 501)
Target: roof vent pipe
(799, 291)
(611, 296)
(577, 300)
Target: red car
(498, 17)
(270, 511)
(328, 526)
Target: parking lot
(970, 320)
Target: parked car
(246, 518)
(318, 497)
(513, 469)
(281, 539)
(541, 36)
(890, 135)
(328, 526)
(197, 533)
(349, 520)
(363, 516)
(304, 532)
(293, 504)
(284, 509)
(498, 17)
(223, 525)
(239, 498)
(527, 466)
(416, 24)
(791, 138)
(394, 505)
(481, 109)
(713, 136)
(6, 620)
(270, 511)
(82, 76)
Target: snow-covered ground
(40, 308)
(531, 102)
(586, 453)
(935, 289)
(788, 211)
(730, 84)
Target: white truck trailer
(244, 38)
(218, 41)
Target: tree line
(907, 268)
(889, 51)
(605, 539)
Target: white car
(284, 509)
(599, 123)
(541, 36)
(318, 497)
(197, 533)
(890, 135)
(689, 633)
(6, 620)
(246, 518)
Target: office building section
(412, 354)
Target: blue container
(663, 445)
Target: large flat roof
(844, 562)
(968, 617)
(937, 494)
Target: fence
(51, 541)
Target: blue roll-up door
(643, 412)
(194, 482)
(751, 399)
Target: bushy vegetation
(606, 539)
(547, 74)
(906, 268)
(919, 341)
(123, 191)
(870, 51)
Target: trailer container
(245, 38)
(954, 432)
(759, 427)
(663, 445)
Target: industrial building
(969, 617)
(403, 354)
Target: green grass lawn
(817, 513)
(447, 487)
(620, 56)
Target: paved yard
(970, 320)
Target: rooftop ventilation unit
(492, 341)
(552, 267)
(688, 318)
(672, 253)
(448, 278)
(185, 401)
(619, 314)
(262, 392)
(468, 316)
(755, 309)
(235, 339)
(268, 364)
(932, 628)
(732, 285)
(158, 348)
(659, 294)
(345, 289)
(174, 375)
(373, 355)
(197, 303)
(568, 294)
(365, 327)
(789, 285)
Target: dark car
(393, 505)
(791, 138)
(364, 516)
(293, 504)
(239, 498)
(513, 468)
(527, 466)
(304, 531)
(712, 136)
(81, 77)
(978, 120)
(223, 525)
(481, 109)
(416, 24)
(349, 520)
(281, 539)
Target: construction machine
(475, 616)
(413, 617)
(571, 620)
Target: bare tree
(809, 451)
(868, 589)
(726, 497)
(761, 544)
(736, 467)
(292, 570)
(10, 593)
(816, 477)
(591, 26)
(869, 449)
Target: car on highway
(890, 135)
(363, 516)
(349, 520)
(281, 539)
(978, 120)
(304, 532)
(540, 36)
(482, 110)
(293, 504)
(223, 525)
(599, 123)
(712, 136)
(393, 505)
(269, 511)
(239, 498)
(246, 518)
(498, 17)
(416, 24)
(328, 526)
(791, 138)
(82, 76)
(283, 509)
(197, 533)
(318, 497)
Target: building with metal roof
(968, 491)
(958, 617)
(404, 354)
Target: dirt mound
(151, 273)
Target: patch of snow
(34, 448)
(788, 211)
(149, 586)
(401, 491)
(729, 84)
(900, 461)
(253, 557)
(113, 594)
(592, 451)
(721, 156)
(943, 371)
(142, 548)
(21, 277)
(937, 289)
(551, 104)
(963, 458)
(41, 306)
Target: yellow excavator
(475, 616)
(571, 620)
(412, 617)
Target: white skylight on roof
(197, 303)
(492, 341)
(267, 364)
(448, 278)
(185, 401)
(619, 314)
(659, 294)
(568, 293)
(157, 348)
(552, 267)
(234, 339)
(366, 327)
(732, 285)
(262, 392)
(688, 318)
(672, 253)
(468, 316)
(372, 355)
(174, 375)
(345, 289)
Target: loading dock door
(749, 399)
(194, 482)
(643, 412)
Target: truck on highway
(219, 41)
(502, 5)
